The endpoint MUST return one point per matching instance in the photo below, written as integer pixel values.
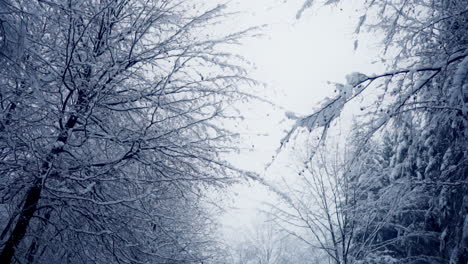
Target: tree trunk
(34, 195)
(27, 212)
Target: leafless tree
(110, 114)
(265, 243)
(421, 100)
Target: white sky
(295, 59)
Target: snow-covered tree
(266, 243)
(421, 102)
(109, 127)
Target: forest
(120, 124)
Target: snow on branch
(356, 83)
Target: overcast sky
(295, 59)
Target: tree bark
(33, 196)
(27, 212)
